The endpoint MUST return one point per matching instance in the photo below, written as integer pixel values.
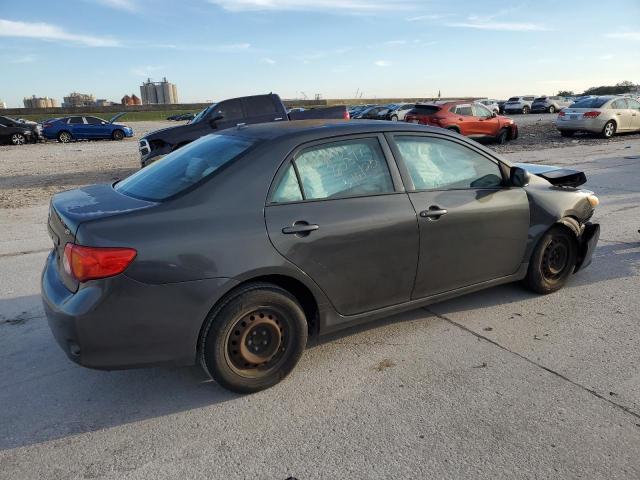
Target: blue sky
(214, 49)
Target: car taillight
(590, 114)
(90, 263)
(346, 115)
(561, 113)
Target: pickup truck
(225, 114)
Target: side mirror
(214, 119)
(519, 177)
(494, 114)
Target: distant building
(2, 104)
(131, 100)
(103, 102)
(75, 99)
(39, 102)
(158, 92)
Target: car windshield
(183, 168)
(203, 114)
(596, 102)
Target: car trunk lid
(68, 210)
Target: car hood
(558, 176)
(117, 116)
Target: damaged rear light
(91, 263)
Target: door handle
(433, 213)
(300, 228)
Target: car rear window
(596, 102)
(184, 168)
(425, 109)
(514, 99)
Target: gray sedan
(606, 115)
(233, 249)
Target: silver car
(491, 104)
(605, 115)
(519, 104)
(551, 104)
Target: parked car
(398, 112)
(182, 116)
(36, 129)
(501, 105)
(550, 104)
(235, 248)
(16, 135)
(239, 111)
(469, 119)
(519, 104)
(606, 115)
(372, 113)
(356, 109)
(77, 127)
(491, 104)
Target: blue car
(85, 128)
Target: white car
(399, 112)
(491, 104)
(521, 104)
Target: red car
(467, 118)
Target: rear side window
(257, 106)
(436, 164)
(619, 104)
(514, 99)
(464, 110)
(229, 110)
(76, 120)
(183, 168)
(529, 99)
(336, 170)
(425, 109)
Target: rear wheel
(502, 137)
(609, 129)
(117, 135)
(567, 133)
(525, 110)
(394, 118)
(64, 137)
(552, 109)
(254, 338)
(18, 139)
(553, 260)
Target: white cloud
(393, 43)
(268, 61)
(607, 56)
(434, 16)
(127, 5)
(232, 47)
(46, 31)
(382, 63)
(333, 6)
(500, 26)
(146, 70)
(624, 35)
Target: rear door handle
(433, 213)
(300, 228)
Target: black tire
(117, 135)
(567, 133)
(502, 137)
(525, 110)
(454, 129)
(18, 139)
(257, 310)
(65, 136)
(552, 109)
(609, 129)
(553, 261)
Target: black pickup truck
(226, 114)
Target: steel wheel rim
(17, 139)
(555, 258)
(257, 342)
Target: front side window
(480, 111)
(94, 121)
(619, 104)
(633, 104)
(183, 168)
(262, 105)
(441, 164)
(337, 170)
(229, 110)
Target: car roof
(323, 128)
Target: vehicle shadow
(44, 396)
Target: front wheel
(609, 129)
(552, 109)
(553, 260)
(525, 110)
(502, 137)
(117, 135)
(18, 139)
(254, 338)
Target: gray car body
(367, 260)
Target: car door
(228, 114)
(465, 120)
(77, 127)
(97, 128)
(261, 108)
(487, 125)
(634, 107)
(337, 211)
(622, 114)
(473, 226)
